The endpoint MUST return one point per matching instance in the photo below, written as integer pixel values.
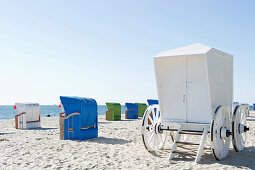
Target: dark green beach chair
(114, 111)
(141, 109)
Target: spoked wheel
(220, 133)
(239, 128)
(153, 137)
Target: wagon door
(171, 85)
(198, 99)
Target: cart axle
(246, 129)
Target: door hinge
(183, 98)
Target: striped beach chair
(28, 115)
(114, 111)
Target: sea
(8, 111)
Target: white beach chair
(247, 109)
(28, 116)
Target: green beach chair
(141, 109)
(114, 111)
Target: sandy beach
(119, 146)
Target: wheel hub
(224, 133)
(158, 128)
(242, 128)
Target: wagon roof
(188, 50)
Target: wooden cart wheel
(239, 128)
(220, 133)
(153, 137)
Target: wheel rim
(239, 119)
(220, 133)
(153, 138)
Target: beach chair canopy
(152, 101)
(114, 111)
(131, 106)
(116, 107)
(85, 106)
(32, 111)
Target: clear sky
(104, 49)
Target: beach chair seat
(132, 111)
(28, 115)
(79, 120)
(114, 111)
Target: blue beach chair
(132, 111)
(152, 101)
(79, 121)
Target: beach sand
(119, 146)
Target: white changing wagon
(28, 116)
(195, 92)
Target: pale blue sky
(104, 49)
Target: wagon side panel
(220, 73)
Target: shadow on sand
(104, 122)
(104, 140)
(243, 159)
(129, 120)
(6, 133)
(157, 154)
(124, 120)
(39, 129)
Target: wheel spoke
(149, 132)
(153, 144)
(152, 121)
(154, 114)
(157, 114)
(159, 138)
(241, 117)
(222, 118)
(241, 139)
(156, 142)
(244, 118)
(152, 136)
(219, 144)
